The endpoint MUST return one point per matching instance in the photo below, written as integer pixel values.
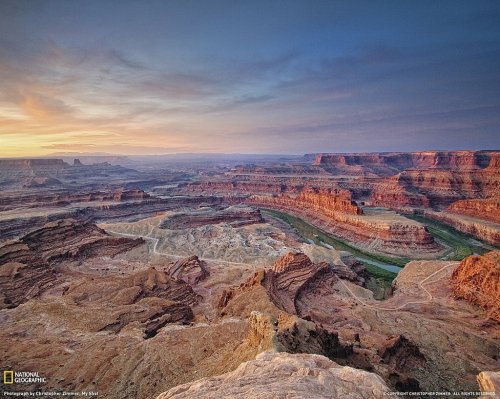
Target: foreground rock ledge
(285, 375)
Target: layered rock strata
(483, 229)
(23, 222)
(149, 298)
(477, 280)
(441, 186)
(64, 239)
(393, 235)
(65, 197)
(236, 216)
(283, 375)
(387, 162)
(191, 270)
(291, 276)
(488, 208)
(291, 294)
(27, 266)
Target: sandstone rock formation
(485, 230)
(381, 231)
(292, 294)
(149, 298)
(463, 176)
(329, 203)
(389, 162)
(27, 265)
(392, 195)
(489, 381)
(488, 208)
(477, 280)
(21, 221)
(30, 173)
(283, 375)
(191, 270)
(442, 187)
(235, 216)
(292, 275)
(63, 197)
(66, 238)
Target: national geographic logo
(22, 377)
(8, 377)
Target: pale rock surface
(489, 381)
(285, 375)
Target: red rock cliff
(488, 208)
(477, 279)
(402, 160)
(326, 202)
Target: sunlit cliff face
(160, 77)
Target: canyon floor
(181, 281)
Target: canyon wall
(420, 179)
(437, 188)
(488, 209)
(484, 230)
(329, 203)
(402, 160)
(338, 215)
(477, 280)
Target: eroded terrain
(132, 283)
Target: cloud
(292, 84)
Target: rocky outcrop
(235, 216)
(257, 182)
(27, 265)
(420, 179)
(331, 203)
(64, 239)
(442, 187)
(438, 187)
(290, 276)
(489, 381)
(149, 298)
(488, 208)
(191, 270)
(156, 283)
(281, 375)
(477, 280)
(392, 195)
(20, 282)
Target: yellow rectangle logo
(8, 377)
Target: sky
(272, 76)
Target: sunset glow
(252, 77)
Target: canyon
(323, 275)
